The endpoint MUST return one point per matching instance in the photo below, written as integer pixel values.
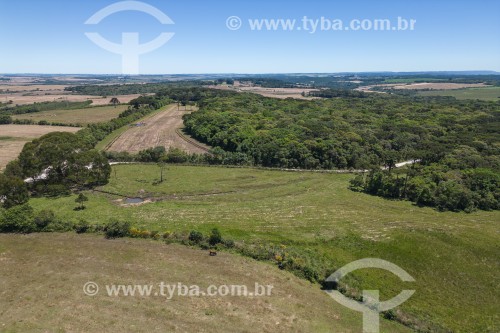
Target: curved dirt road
(162, 129)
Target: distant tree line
(43, 106)
(436, 185)
(332, 93)
(127, 89)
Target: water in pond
(133, 200)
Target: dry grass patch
(42, 279)
(82, 116)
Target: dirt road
(162, 129)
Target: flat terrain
(437, 86)
(13, 138)
(33, 93)
(452, 256)
(21, 99)
(76, 116)
(161, 129)
(486, 93)
(42, 279)
(267, 92)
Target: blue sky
(47, 36)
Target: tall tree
(114, 101)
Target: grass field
(14, 137)
(486, 93)
(77, 116)
(43, 275)
(452, 256)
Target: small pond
(133, 200)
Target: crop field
(438, 85)
(55, 279)
(76, 116)
(452, 256)
(267, 92)
(160, 129)
(13, 138)
(437, 88)
(29, 94)
(486, 93)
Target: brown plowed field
(159, 130)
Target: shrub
(81, 227)
(357, 183)
(228, 243)
(310, 273)
(195, 237)
(43, 218)
(59, 225)
(204, 245)
(215, 237)
(134, 232)
(18, 219)
(116, 229)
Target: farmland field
(56, 276)
(13, 138)
(29, 94)
(267, 92)
(76, 116)
(315, 215)
(486, 93)
(160, 129)
(438, 86)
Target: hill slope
(42, 277)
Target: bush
(81, 227)
(43, 218)
(18, 219)
(195, 237)
(215, 237)
(59, 225)
(117, 229)
(228, 243)
(357, 183)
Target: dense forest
(457, 142)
